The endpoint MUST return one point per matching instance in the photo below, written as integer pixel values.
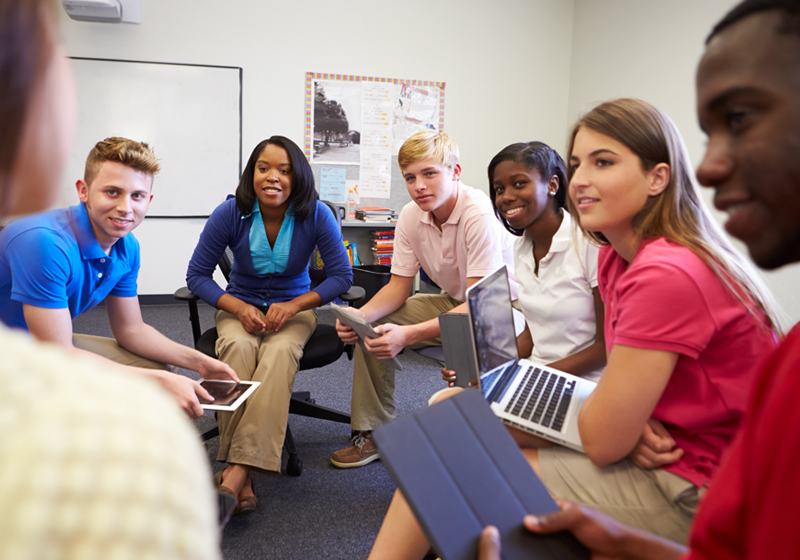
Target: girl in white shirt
(555, 263)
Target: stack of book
(382, 245)
(375, 214)
(352, 254)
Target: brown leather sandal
(248, 504)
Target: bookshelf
(358, 232)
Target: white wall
(505, 63)
(650, 50)
(515, 70)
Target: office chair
(323, 348)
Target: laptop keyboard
(542, 398)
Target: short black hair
(749, 7)
(533, 155)
(304, 192)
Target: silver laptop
(529, 396)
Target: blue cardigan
(226, 228)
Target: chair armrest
(185, 294)
(354, 294)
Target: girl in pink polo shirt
(687, 320)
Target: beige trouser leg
(253, 434)
(373, 382)
(651, 499)
(110, 348)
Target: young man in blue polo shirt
(58, 264)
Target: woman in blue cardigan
(266, 314)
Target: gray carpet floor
(326, 512)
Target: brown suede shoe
(247, 504)
(362, 452)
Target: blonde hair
(678, 213)
(136, 155)
(428, 145)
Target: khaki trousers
(110, 348)
(373, 382)
(253, 434)
(651, 499)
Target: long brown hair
(27, 40)
(678, 213)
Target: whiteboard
(189, 114)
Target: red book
(374, 209)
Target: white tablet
(228, 395)
(362, 329)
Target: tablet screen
(224, 392)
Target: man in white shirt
(450, 231)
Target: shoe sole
(244, 511)
(361, 463)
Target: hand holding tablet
(460, 470)
(228, 395)
(362, 329)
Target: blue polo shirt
(53, 260)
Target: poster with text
(358, 120)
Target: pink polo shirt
(472, 243)
(669, 299)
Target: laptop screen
(492, 321)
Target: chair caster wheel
(294, 467)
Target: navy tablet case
(458, 347)
(460, 470)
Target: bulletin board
(354, 127)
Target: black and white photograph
(337, 122)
